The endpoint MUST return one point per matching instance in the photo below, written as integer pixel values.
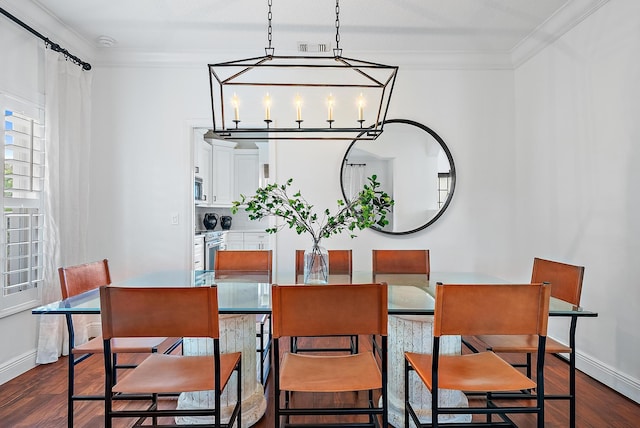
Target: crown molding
(561, 22)
(463, 60)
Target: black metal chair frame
(74, 361)
(491, 406)
(378, 348)
(527, 394)
(379, 351)
(263, 348)
(152, 410)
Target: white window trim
(31, 297)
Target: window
(22, 200)
(444, 187)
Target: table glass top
(407, 293)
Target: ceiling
(235, 27)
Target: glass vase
(316, 265)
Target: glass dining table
(240, 298)
(408, 294)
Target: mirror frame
(451, 163)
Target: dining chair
(78, 279)
(400, 262)
(133, 312)
(340, 263)
(566, 285)
(469, 309)
(237, 263)
(330, 310)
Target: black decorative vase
(210, 221)
(225, 222)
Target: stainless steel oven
(213, 242)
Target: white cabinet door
(235, 241)
(256, 241)
(198, 252)
(246, 173)
(222, 189)
(204, 168)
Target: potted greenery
(368, 208)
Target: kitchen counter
(200, 232)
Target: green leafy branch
(369, 208)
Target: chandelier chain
(337, 24)
(269, 18)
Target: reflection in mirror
(413, 165)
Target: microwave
(197, 190)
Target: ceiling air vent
(313, 47)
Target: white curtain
(354, 178)
(67, 133)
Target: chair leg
(115, 369)
(71, 374)
(108, 398)
(406, 394)
(70, 390)
(260, 352)
(239, 393)
(572, 372)
(572, 390)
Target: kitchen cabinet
(203, 170)
(247, 240)
(256, 241)
(246, 172)
(223, 173)
(198, 252)
(235, 240)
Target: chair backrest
(159, 312)
(477, 309)
(329, 310)
(235, 262)
(400, 261)
(340, 262)
(78, 279)
(565, 279)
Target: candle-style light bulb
(330, 102)
(267, 107)
(361, 107)
(236, 106)
(298, 107)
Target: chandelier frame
(339, 74)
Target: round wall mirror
(413, 165)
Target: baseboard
(625, 385)
(17, 366)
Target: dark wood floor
(38, 399)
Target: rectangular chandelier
(300, 98)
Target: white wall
(141, 166)
(474, 234)
(577, 196)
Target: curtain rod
(54, 46)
